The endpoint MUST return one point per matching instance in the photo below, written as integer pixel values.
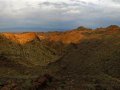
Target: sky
(52, 15)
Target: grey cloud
(56, 5)
(61, 4)
(117, 1)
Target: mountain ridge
(66, 37)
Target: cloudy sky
(44, 15)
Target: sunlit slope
(21, 38)
(66, 37)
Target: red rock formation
(21, 38)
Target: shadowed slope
(94, 64)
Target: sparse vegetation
(92, 62)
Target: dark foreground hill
(80, 59)
(93, 65)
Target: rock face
(24, 38)
(21, 38)
(9, 36)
